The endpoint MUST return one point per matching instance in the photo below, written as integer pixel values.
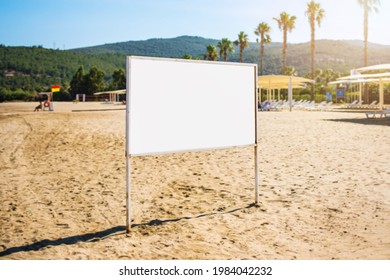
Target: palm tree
(211, 53)
(263, 30)
(225, 46)
(328, 75)
(289, 71)
(242, 42)
(286, 23)
(315, 14)
(368, 6)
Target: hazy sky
(70, 24)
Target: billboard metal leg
(256, 175)
(128, 194)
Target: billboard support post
(256, 175)
(256, 151)
(128, 193)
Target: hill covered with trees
(32, 69)
(338, 55)
(173, 47)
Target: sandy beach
(324, 190)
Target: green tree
(77, 84)
(94, 80)
(289, 71)
(225, 46)
(242, 42)
(3, 95)
(315, 13)
(211, 53)
(118, 79)
(323, 77)
(263, 30)
(368, 6)
(285, 23)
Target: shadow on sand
(100, 235)
(366, 121)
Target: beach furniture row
(359, 105)
(382, 113)
(274, 105)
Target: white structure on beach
(362, 75)
(113, 95)
(278, 82)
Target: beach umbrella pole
(290, 94)
(381, 95)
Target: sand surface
(324, 190)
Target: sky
(71, 24)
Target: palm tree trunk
(284, 47)
(261, 55)
(312, 48)
(241, 51)
(365, 34)
(365, 93)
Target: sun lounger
(372, 105)
(326, 107)
(384, 113)
(323, 106)
(264, 106)
(315, 107)
(357, 105)
(275, 106)
(350, 105)
(306, 105)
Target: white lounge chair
(357, 105)
(350, 105)
(383, 113)
(372, 105)
(317, 107)
(326, 107)
(275, 106)
(307, 105)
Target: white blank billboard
(178, 105)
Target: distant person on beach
(39, 107)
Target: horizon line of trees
(81, 83)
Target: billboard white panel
(178, 105)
